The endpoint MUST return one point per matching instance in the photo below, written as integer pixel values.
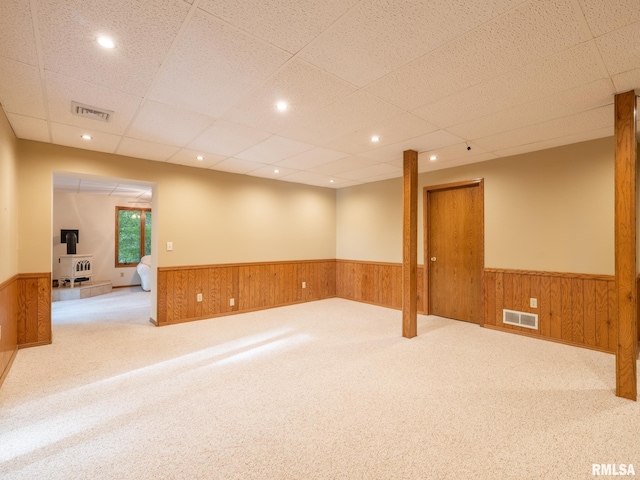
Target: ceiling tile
(372, 171)
(227, 139)
(343, 165)
(304, 87)
(595, 119)
(20, 89)
(400, 32)
(133, 147)
(188, 158)
(142, 190)
(66, 183)
(425, 165)
(619, 49)
(96, 188)
(452, 152)
(16, 32)
(214, 66)
(569, 69)
(386, 176)
(557, 142)
(143, 32)
(269, 171)
(605, 16)
(627, 81)
(565, 103)
(397, 129)
(277, 22)
(236, 165)
(353, 113)
(127, 193)
(312, 158)
(525, 34)
(62, 90)
(315, 179)
(424, 143)
(349, 183)
(70, 136)
(29, 128)
(273, 150)
(156, 122)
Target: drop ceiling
(203, 77)
(136, 193)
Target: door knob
(433, 259)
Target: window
(133, 235)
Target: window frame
(143, 216)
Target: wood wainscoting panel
(9, 324)
(576, 309)
(376, 283)
(252, 286)
(34, 309)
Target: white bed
(144, 270)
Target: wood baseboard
(549, 339)
(34, 344)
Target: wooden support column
(625, 244)
(410, 245)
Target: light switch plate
(169, 246)
(533, 302)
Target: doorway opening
(89, 206)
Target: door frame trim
(477, 182)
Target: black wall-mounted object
(63, 235)
(71, 238)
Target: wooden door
(454, 250)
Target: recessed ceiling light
(276, 171)
(106, 42)
(331, 181)
(86, 137)
(433, 158)
(282, 106)
(375, 138)
(199, 157)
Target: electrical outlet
(199, 297)
(533, 302)
(304, 284)
(122, 274)
(232, 302)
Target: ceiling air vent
(520, 319)
(87, 111)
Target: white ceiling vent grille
(87, 111)
(520, 319)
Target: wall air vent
(87, 111)
(520, 319)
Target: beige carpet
(324, 390)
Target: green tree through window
(133, 235)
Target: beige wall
(94, 217)
(211, 217)
(550, 210)
(8, 201)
